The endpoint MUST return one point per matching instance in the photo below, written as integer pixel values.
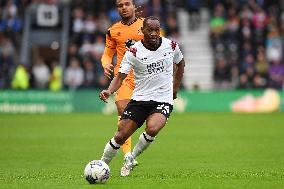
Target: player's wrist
(110, 91)
(174, 95)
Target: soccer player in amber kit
(120, 36)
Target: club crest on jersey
(129, 43)
(139, 32)
(174, 45)
(133, 50)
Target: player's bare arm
(178, 77)
(114, 86)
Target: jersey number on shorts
(165, 108)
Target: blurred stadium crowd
(11, 24)
(90, 20)
(89, 25)
(246, 37)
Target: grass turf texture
(194, 150)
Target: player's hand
(175, 95)
(104, 95)
(108, 69)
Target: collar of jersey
(130, 22)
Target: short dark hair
(149, 18)
(131, 0)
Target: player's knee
(152, 130)
(119, 138)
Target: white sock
(142, 144)
(110, 151)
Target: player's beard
(154, 42)
(127, 16)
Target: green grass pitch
(194, 150)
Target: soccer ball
(97, 171)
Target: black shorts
(138, 111)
